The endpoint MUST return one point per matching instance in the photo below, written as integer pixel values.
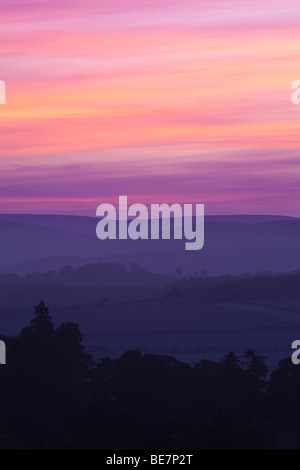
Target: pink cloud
(153, 99)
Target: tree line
(53, 395)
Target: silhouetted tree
(42, 322)
(256, 370)
(52, 396)
(73, 361)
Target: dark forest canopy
(53, 396)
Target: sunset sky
(161, 100)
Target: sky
(163, 101)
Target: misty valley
(145, 346)
(238, 292)
(190, 317)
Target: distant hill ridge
(233, 244)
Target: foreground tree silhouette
(42, 322)
(73, 362)
(52, 397)
(50, 362)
